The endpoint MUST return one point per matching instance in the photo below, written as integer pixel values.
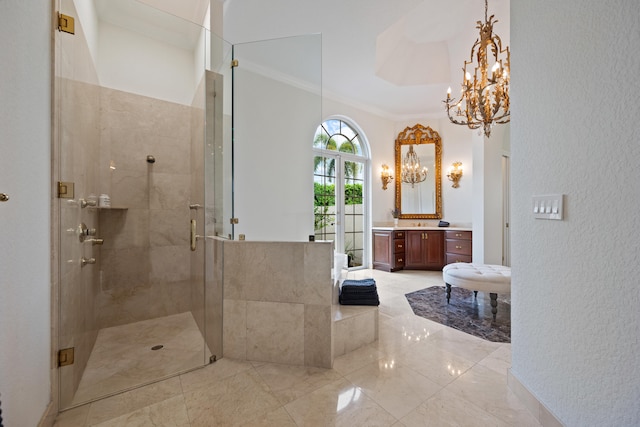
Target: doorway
(340, 167)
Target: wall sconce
(386, 175)
(455, 173)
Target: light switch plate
(547, 207)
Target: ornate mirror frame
(417, 135)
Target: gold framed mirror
(418, 191)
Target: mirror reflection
(418, 159)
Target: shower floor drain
(157, 347)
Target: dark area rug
(464, 312)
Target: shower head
(151, 159)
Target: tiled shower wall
(145, 257)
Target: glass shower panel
(131, 122)
(277, 106)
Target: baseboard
(48, 417)
(537, 409)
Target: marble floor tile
(289, 383)
(440, 366)
(418, 373)
(488, 390)
(397, 388)
(236, 400)
(170, 412)
(340, 403)
(445, 409)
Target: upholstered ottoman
(495, 279)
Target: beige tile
(76, 417)
(488, 390)
(499, 360)
(169, 263)
(446, 409)
(275, 332)
(355, 331)
(438, 365)
(121, 404)
(397, 388)
(169, 227)
(234, 400)
(234, 335)
(168, 191)
(317, 336)
(355, 360)
(170, 412)
(467, 346)
(289, 383)
(212, 374)
(338, 404)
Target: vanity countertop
(401, 227)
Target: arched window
(340, 167)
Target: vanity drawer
(462, 235)
(451, 258)
(460, 247)
(398, 246)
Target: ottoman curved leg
(448, 292)
(494, 304)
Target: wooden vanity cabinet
(388, 250)
(457, 246)
(424, 250)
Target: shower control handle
(193, 235)
(4, 197)
(84, 261)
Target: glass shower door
(131, 123)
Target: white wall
(574, 130)
(25, 167)
(131, 62)
(274, 125)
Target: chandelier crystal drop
(484, 99)
(412, 172)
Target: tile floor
(122, 357)
(419, 373)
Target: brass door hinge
(65, 356)
(233, 220)
(66, 23)
(65, 190)
(234, 63)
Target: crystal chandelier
(412, 173)
(484, 101)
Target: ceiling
(391, 57)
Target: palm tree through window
(339, 187)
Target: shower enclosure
(146, 116)
(139, 121)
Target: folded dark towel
(361, 282)
(358, 290)
(355, 297)
(361, 302)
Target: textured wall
(575, 282)
(25, 249)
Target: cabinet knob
(458, 235)
(399, 246)
(399, 259)
(458, 247)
